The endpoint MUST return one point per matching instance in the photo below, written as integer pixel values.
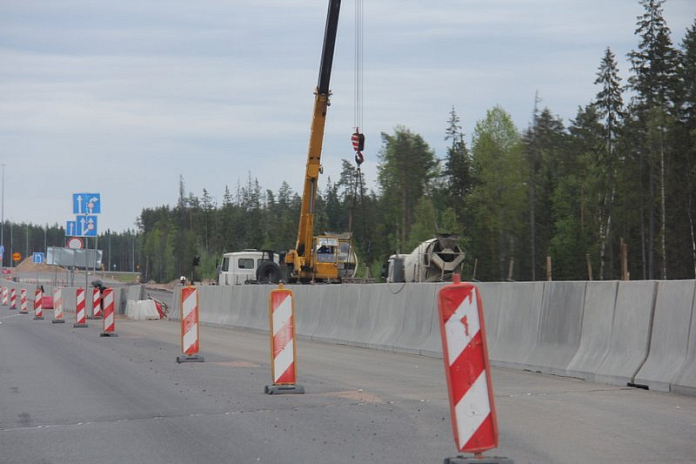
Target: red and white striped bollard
(109, 321)
(38, 305)
(5, 296)
(96, 304)
(23, 309)
(468, 371)
(283, 353)
(13, 299)
(190, 327)
(80, 312)
(58, 306)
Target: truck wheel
(268, 272)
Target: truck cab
(242, 267)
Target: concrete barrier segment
(419, 321)
(518, 324)
(670, 334)
(630, 333)
(560, 325)
(597, 319)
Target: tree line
(622, 171)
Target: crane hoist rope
(358, 138)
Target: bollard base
(190, 359)
(13, 309)
(38, 318)
(80, 325)
(108, 334)
(284, 390)
(479, 460)
(58, 321)
(94, 317)
(24, 312)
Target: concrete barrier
(419, 318)
(491, 294)
(560, 325)
(210, 304)
(684, 381)
(670, 334)
(518, 325)
(308, 307)
(630, 333)
(597, 318)
(598, 331)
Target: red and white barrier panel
(38, 305)
(283, 353)
(23, 301)
(109, 321)
(190, 327)
(468, 371)
(13, 299)
(58, 306)
(96, 304)
(5, 296)
(80, 312)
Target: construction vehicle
(249, 266)
(328, 257)
(435, 260)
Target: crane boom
(302, 259)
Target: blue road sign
(38, 258)
(86, 226)
(71, 229)
(86, 203)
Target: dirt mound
(28, 266)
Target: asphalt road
(68, 395)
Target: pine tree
(407, 166)
(687, 74)
(457, 169)
(609, 105)
(654, 80)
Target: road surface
(68, 395)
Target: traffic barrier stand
(468, 373)
(96, 304)
(23, 301)
(5, 296)
(109, 321)
(13, 299)
(80, 313)
(58, 306)
(38, 305)
(281, 316)
(190, 326)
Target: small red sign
(75, 243)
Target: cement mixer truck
(434, 260)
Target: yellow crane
(324, 257)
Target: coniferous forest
(619, 178)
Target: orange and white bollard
(190, 326)
(58, 306)
(283, 352)
(96, 304)
(109, 321)
(38, 305)
(5, 296)
(23, 301)
(80, 312)
(468, 372)
(13, 299)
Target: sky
(122, 97)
